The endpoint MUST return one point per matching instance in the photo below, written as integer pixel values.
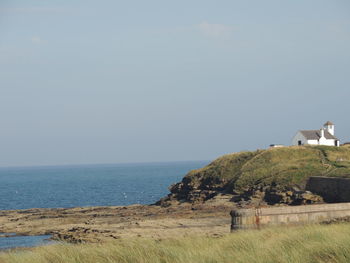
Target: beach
(99, 224)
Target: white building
(324, 136)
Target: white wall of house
(324, 141)
(312, 142)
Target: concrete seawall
(332, 189)
(256, 218)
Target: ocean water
(86, 185)
(23, 241)
(89, 185)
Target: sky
(85, 82)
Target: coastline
(106, 223)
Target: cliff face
(276, 175)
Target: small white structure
(324, 136)
(276, 145)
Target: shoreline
(104, 223)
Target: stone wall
(333, 190)
(304, 214)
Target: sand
(99, 224)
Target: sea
(86, 185)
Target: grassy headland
(284, 169)
(314, 243)
(287, 165)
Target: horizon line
(98, 164)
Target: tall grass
(314, 243)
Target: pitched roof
(316, 135)
(328, 123)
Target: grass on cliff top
(284, 166)
(314, 243)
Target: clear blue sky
(140, 81)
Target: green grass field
(313, 243)
(286, 166)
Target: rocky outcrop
(291, 196)
(263, 177)
(273, 194)
(79, 235)
(197, 191)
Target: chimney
(322, 133)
